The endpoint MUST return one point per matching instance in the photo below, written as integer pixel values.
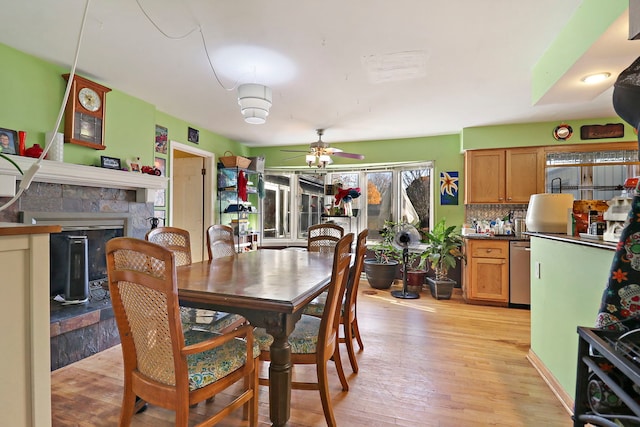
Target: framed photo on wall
(161, 139)
(193, 135)
(9, 141)
(159, 202)
(160, 164)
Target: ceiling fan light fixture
(255, 100)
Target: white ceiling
(455, 64)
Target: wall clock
(84, 113)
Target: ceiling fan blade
(296, 151)
(332, 150)
(349, 155)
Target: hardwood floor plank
(426, 362)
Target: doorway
(191, 195)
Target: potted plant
(444, 249)
(381, 270)
(417, 268)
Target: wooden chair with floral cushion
(162, 364)
(315, 340)
(323, 237)
(178, 241)
(348, 318)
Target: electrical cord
(33, 170)
(198, 28)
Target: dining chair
(177, 240)
(315, 340)
(220, 242)
(348, 316)
(323, 237)
(163, 365)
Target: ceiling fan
(320, 153)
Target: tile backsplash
(490, 212)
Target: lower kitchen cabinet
(486, 275)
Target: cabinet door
(489, 279)
(485, 176)
(524, 174)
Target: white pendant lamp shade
(255, 101)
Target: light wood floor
(426, 362)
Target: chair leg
(182, 415)
(348, 340)
(323, 388)
(338, 362)
(128, 406)
(253, 403)
(356, 332)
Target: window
(295, 200)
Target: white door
(188, 200)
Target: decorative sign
(161, 139)
(610, 130)
(449, 188)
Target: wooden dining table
(269, 288)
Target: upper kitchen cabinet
(503, 175)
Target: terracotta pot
(415, 280)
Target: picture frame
(159, 201)
(161, 139)
(9, 141)
(160, 164)
(110, 162)
(134, 167)
(193, 135)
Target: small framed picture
(193, 135)
(8, 141)
(160, 164)
(110, 162)
(161, 139)
(134, 167)
(159, 202)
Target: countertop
(511, 237)
(602, 244)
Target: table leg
(280, 381)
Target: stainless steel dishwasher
(519, 274)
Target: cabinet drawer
(489, 249)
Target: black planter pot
(380, 275)
(441, 289)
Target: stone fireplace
(85, 200)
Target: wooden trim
(552, 382)
(608, 146)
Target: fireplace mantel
(90, 176)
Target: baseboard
(552, 382)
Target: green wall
(32, 92)
(567, 295)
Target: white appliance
(549, 212)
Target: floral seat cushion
(303, 339)
(209, 366)
(316, 306)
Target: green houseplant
(444, 250)
(381, 270)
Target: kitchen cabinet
(486, 274)
(243, 216)
(508, 175)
